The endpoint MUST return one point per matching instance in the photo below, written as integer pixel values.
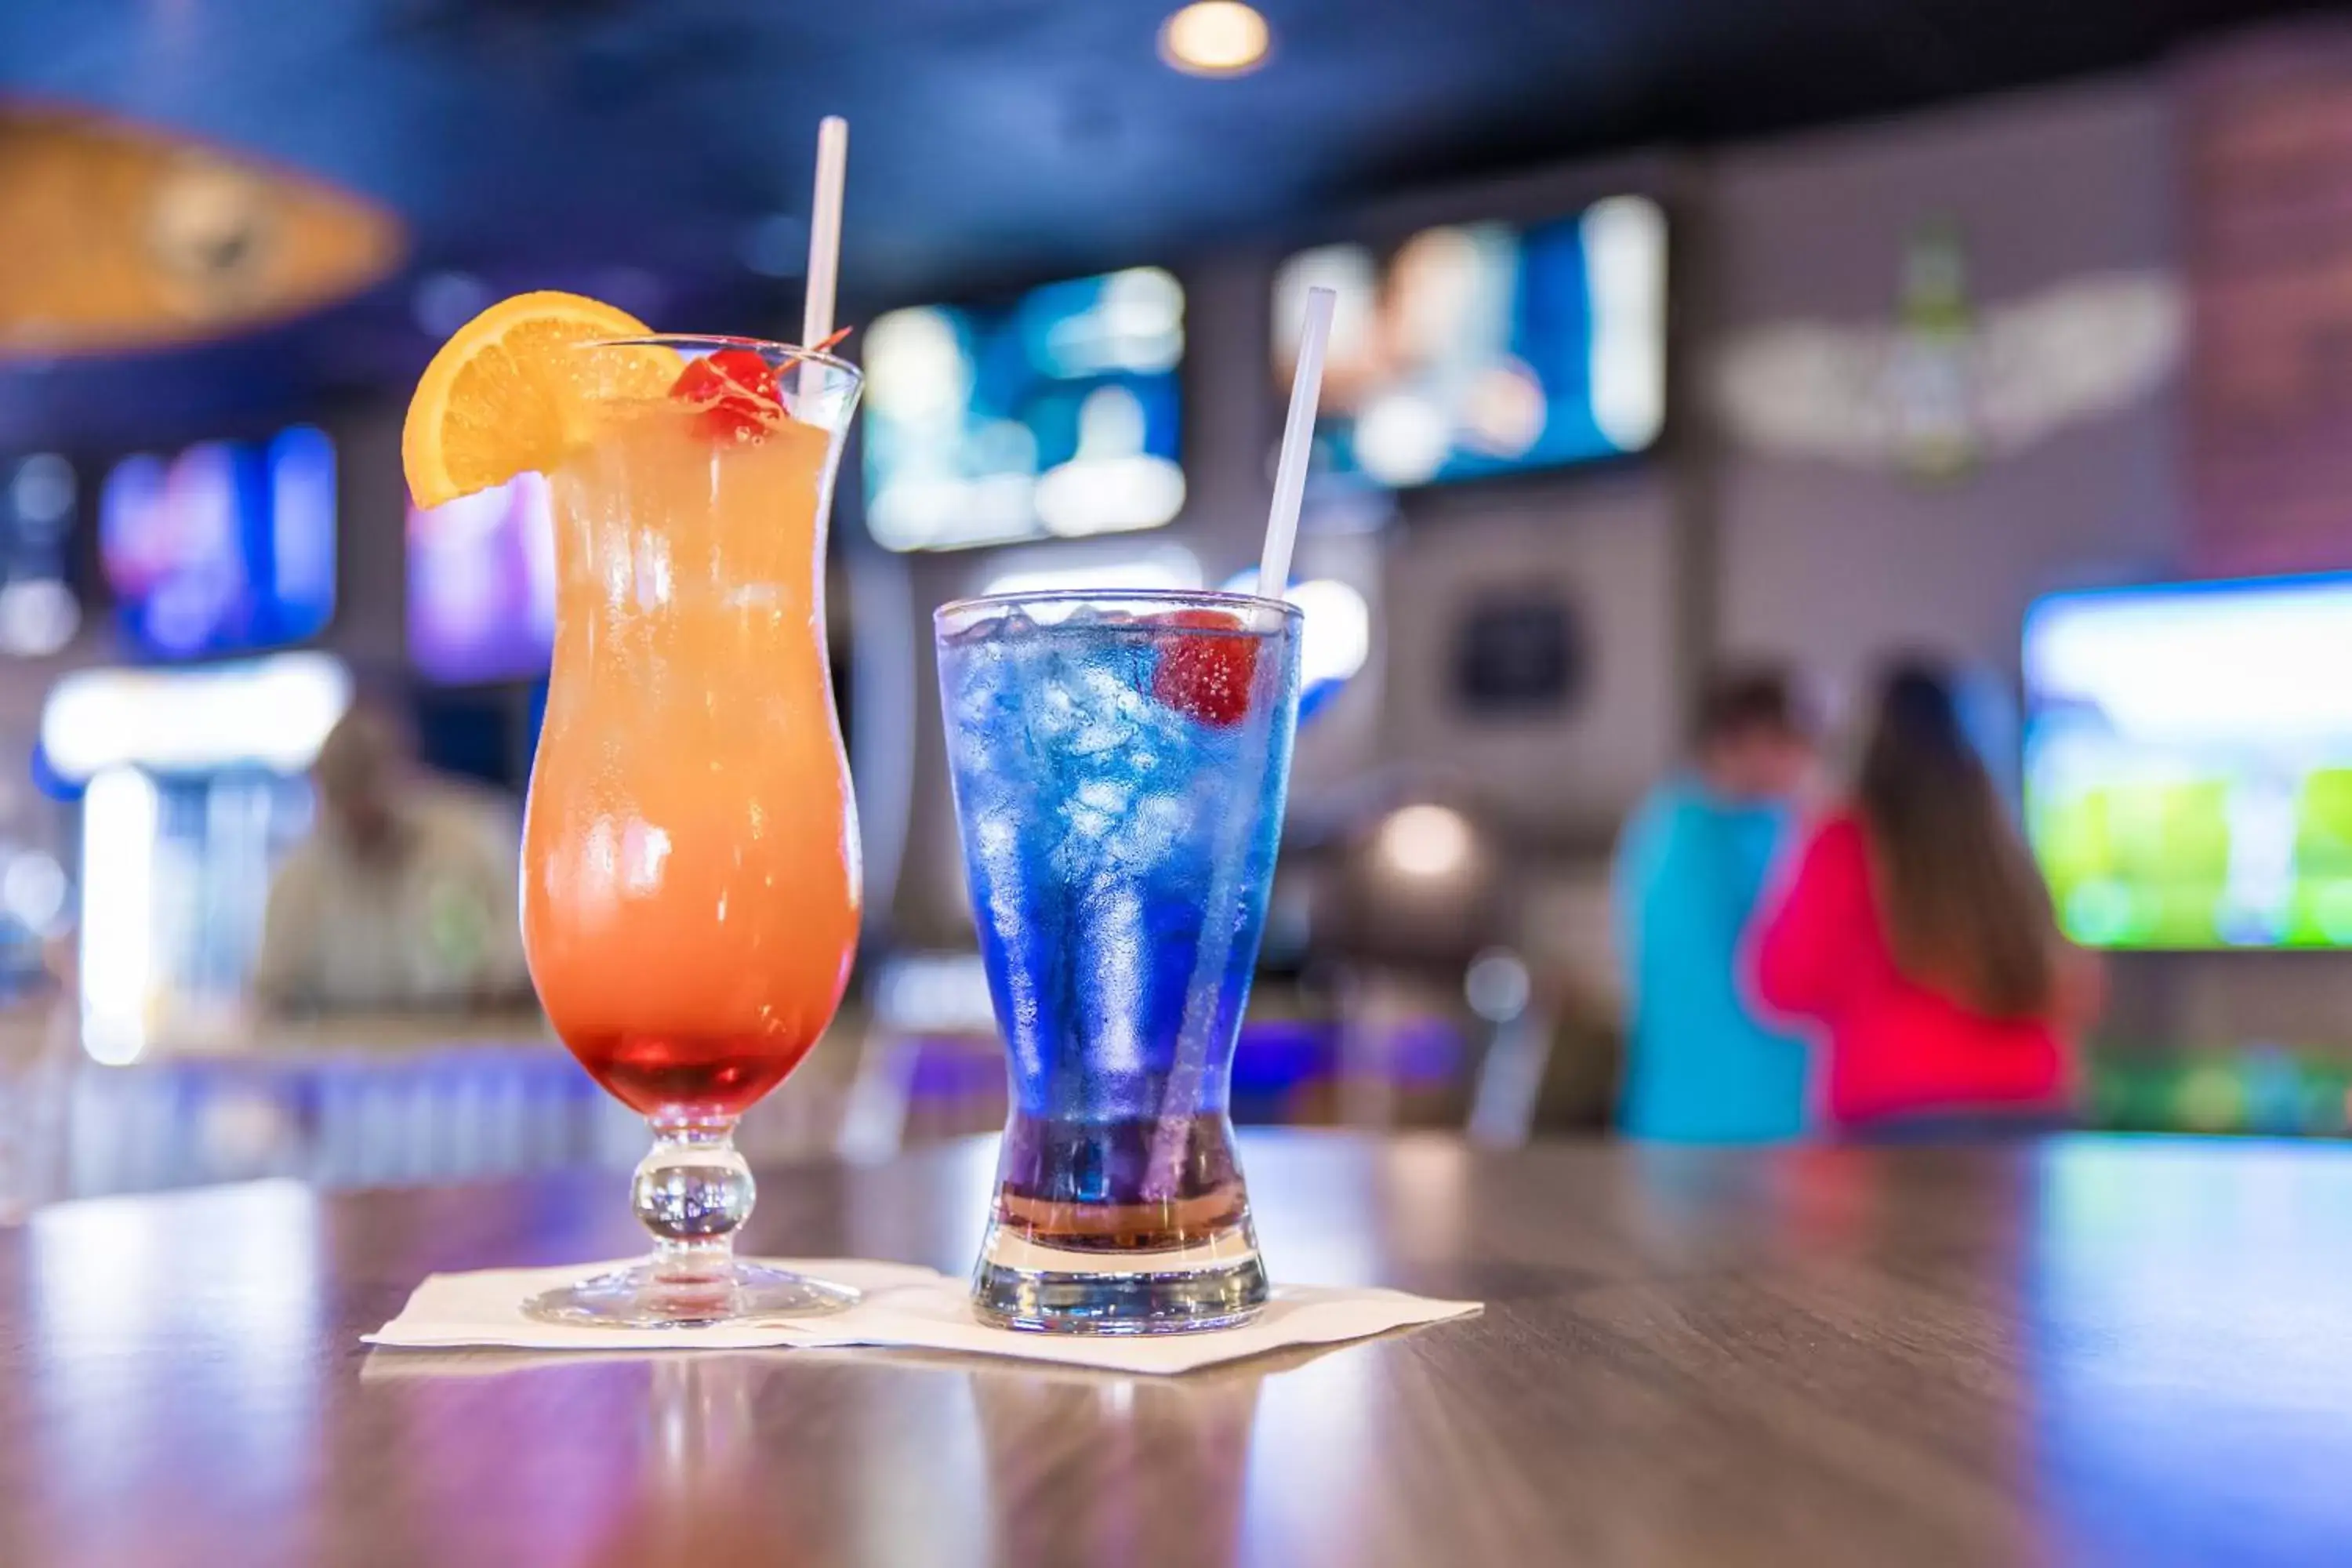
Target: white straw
(1297, 436)
(824, 245)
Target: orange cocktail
(690, 898)
(691, 892)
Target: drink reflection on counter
(1086, 1441)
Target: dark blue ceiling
(633, 148)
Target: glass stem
(693, 1192)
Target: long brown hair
(1965, 909)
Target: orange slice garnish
(518, 387)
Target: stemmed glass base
(643, 1295)
(693, 1192)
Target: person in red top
(1916, 931)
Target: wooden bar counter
(2084, 1350)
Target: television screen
(226, 546)
(482, 585)
(1486, 348)
(2189, 762)
(1055, 416)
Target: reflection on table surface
(416, 1098)
(2088, 1351)
(370, 1101)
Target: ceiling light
(1215, 38)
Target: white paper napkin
(903, 1306)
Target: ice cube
(1099, 736)
(1105, 686)
(1117, 716)
(994, 628)
(1151, 830)
(996, 841)
(1054, 713)
(1097, 806)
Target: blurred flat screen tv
(2189, 762)
(225, 547)
(1053, 416)
(482, 585)
(1477, 348)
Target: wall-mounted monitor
(482, 585)
(1052, 416)
(2189, 762)
(226, 546)
(1476, 349)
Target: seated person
(404, 895)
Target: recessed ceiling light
(1215, 38)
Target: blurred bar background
(1668, 334)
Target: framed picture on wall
(1517, 654)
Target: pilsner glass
(690, 857)
(1120, 760)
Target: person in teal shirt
(1700, 1064)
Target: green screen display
(2189, 762)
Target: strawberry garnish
(736, 390)
(741, 392)
(1205, 669)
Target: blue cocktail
(1120, 760)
